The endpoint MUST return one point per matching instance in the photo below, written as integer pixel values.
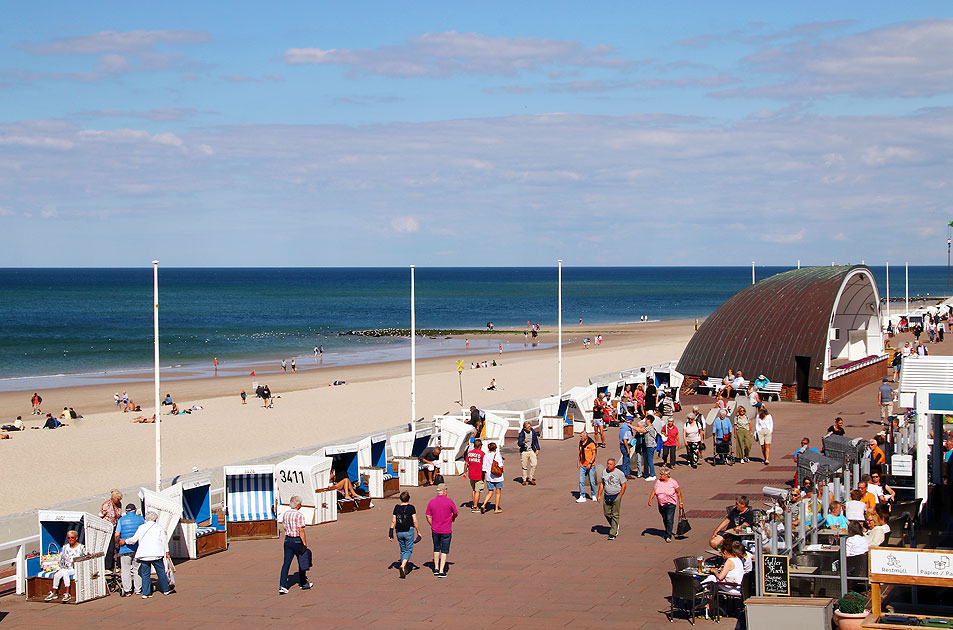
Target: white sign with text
(901, 562)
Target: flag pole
(559, 335)
(155, 331)
(413, 356)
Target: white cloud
(519, 185)
(840, 236)
(115, 41)
(786, 237)
(452, 53)
(5, 212)
(904, 60)
(404, 225)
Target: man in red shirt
(441, 513)
(474, 472)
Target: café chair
(687, 595)
(743, 593)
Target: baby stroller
(723, 452)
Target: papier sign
(900, 563)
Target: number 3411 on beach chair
(250, 502)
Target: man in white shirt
(905, 351)
(739, 381)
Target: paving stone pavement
(544, 562)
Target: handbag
(496, 469)
(50, 561)
(683, 526)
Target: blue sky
(321, 134)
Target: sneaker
(65, 598)
(169, 592)
(50, 597)
(442, 575)
(652, 478)
(436, 573)
(150, 595)
(611, 537)
(668, 540)
(581, 499)
(594, 500)
(307, 587)
(282, 591)
(475, 510)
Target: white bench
(771, 389)
(711, 384)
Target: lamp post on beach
(413, 355)
(559, 328)
(155, 331)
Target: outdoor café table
(738, 532)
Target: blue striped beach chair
(201, 532)
(250, 502)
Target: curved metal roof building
(797, 327)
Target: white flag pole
(413, 355)
(888, 292)
(559, 335)
(155, 331)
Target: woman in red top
(670, 444)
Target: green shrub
(852, 603)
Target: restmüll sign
(908, 566)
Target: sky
(475, 134)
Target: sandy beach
(105, 450)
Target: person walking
(650, 438)
(475, 474)
(35, 401)
(670, 443)
(404, 524)
(625, 440)
(128, 565)
(294, 367)
(528, 442)
(743, 434)
(151, 553)
(111, 510)
(244, 396)
(611, 491)
(295, 546)
(668, 494)
(885, 398)
(284, 365)
(493, 472)
(598, 421)
(694, 437)
(441, 513)
(763, 430)
(586, 466)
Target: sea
(79, 326)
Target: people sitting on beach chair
(344, 486)
(429, 461)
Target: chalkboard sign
(774, 575)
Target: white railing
(18, 561)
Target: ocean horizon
(57, 324)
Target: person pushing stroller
(722, 436)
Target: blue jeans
(145, 572)
(406, 542)
(648, 462)
(668, 518)
(591, 474)
(294, 548)
(626, 460)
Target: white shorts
(764, 437)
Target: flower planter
(849, 621)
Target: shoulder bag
(683, 526)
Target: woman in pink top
(669, 495)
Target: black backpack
(404, 520)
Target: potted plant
(850, 611)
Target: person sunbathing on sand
(175, 409)
(144, 420)
(130, 406)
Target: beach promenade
(544, 562)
